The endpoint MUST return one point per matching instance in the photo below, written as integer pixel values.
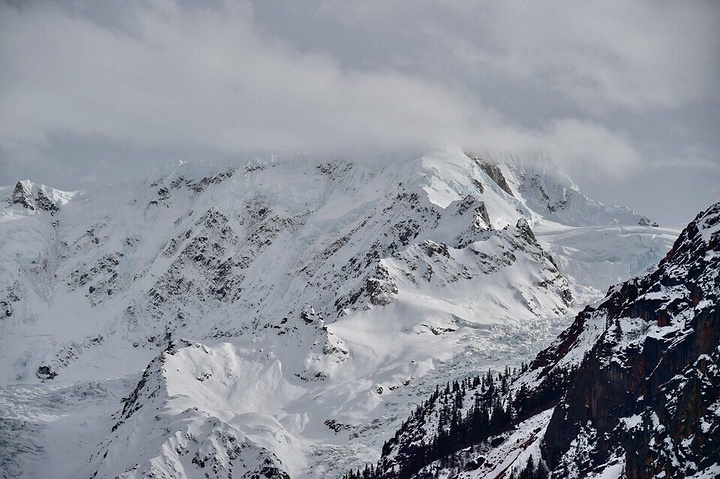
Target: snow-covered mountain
(630, 389)
(281, 316)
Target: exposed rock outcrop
(649, 387)
(22, 195)
(494, 172)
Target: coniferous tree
(542, 471)
(529, 471)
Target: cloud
(688, 163)
(590, 147)
(94, 89)
(602, 55)
(631, 55)
(186, 78)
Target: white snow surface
(311, 304)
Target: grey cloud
(611, 90)
(203, 79)
(636, 56)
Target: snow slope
(308, 303)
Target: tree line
(467, 413)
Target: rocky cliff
(647, 393)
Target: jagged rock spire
(22, 195)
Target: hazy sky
(624, 95)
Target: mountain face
(279, 317)
(630, 389)
(646, 396)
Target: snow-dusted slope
(319, 299)
(186, 417)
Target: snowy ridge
(349, 288)
(201, 442)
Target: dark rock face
(45, 372)
(44, 202)
(165, 193)
(645, 221)
(479, 208)
(494, 172)
(22, 196)
(646, 391)
(525, 232)
(380, 287)
(12, 294)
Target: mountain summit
(283, 314)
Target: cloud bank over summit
(613, 92)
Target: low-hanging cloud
(172, 77)
(88, 88)
(601, 54)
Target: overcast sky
(624, 95)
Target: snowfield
(282, 315)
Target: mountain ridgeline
(281, 315)
(630, 389)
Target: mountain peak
(22, 195)
(699, 237)
(32, 196)
(345, 283)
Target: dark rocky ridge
(22, 195)
(670, 373)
